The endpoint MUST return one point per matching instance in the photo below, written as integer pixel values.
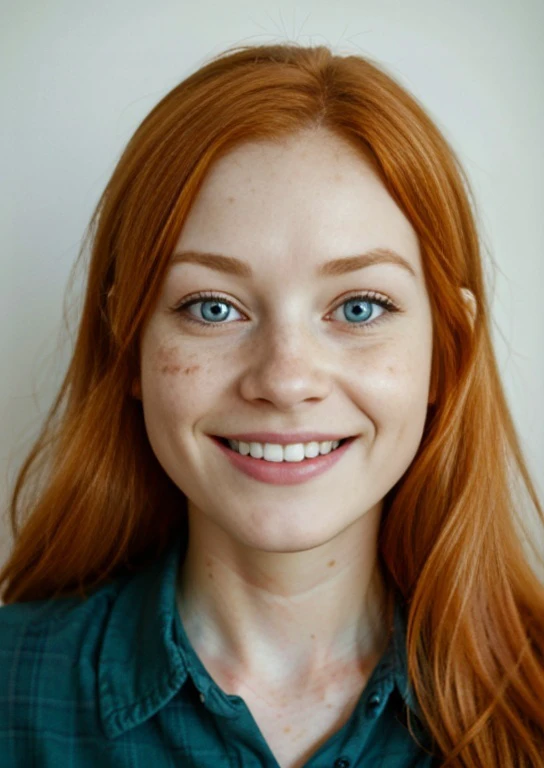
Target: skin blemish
(167, 360)
(331, 563)
(168, 363)
(313, 637)
(170, 368)
(287, 729)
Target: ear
(470, 303)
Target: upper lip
(285, 438)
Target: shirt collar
(141, 664)
(146, 656)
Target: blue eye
(357, 309)
(213, 310)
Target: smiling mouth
(224, 441)
(280, 470)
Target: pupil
(214, 309)
(355, 307)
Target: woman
(278, 523)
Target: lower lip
(284, 472)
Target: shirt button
(342, 762)
(373, 705)
(202, 698)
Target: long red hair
(91, 498)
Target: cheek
(170, 364)
(177, 380)
(168, 378)
(391, 380)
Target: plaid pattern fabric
(113, 682)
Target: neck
(284, 617)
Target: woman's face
(288, 349)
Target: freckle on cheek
(168, 363)
(166, 360)
(170, 368)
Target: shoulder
(48, 653)
(60, 624)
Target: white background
(77, 78)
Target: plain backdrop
(77, 78)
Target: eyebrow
(233, 266)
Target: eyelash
(369, 297)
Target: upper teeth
(275, 452)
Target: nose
(287, 367)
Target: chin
(287, 540)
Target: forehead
(301, 201)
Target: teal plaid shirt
(113, 681)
